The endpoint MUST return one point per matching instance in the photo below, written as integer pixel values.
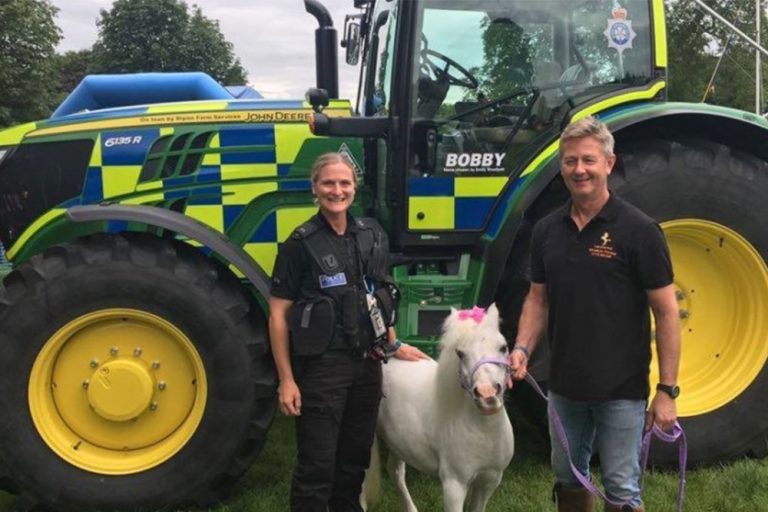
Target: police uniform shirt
(596, 282)
(292, 277)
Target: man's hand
(289, 398)
(410, 353)
(518, 364)
(663, 412)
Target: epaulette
(368, 223)
(308, 228)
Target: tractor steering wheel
(466, 79)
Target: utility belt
(319, 322)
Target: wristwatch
(673, 391)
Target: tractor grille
(37, 177)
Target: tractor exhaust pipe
(326, 53)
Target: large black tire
(172, 288)
(528, 409)
(703, 193)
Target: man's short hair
(590, 126)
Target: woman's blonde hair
(327, 159)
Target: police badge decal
(619, 32)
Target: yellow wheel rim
(117, 391)
(722, 290)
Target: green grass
(736, 487)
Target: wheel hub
(120, 390)
(115, 407)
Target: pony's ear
(492, 316)
(451, 319)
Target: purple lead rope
(676, 435)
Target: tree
(71, 67)
(696, 40)
(160, 35)
(506, 51)
(209, 50)
(28, 37)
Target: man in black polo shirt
(597, 264)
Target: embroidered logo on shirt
(339, 279)
(330, 260)
(603, 250)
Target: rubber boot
(622, 508)
(573, 500)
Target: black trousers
(340, 395)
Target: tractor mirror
(352, 39)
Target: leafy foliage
(506, 51)
(161, 35)
(696, 41)
(70, 68)
(28, 37)
(209, 51)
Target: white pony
(447, 418)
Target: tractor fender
(624, 116)
(729, 127)
(182, 224)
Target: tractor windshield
(476, 52)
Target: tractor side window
(621, 52)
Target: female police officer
(329, 289)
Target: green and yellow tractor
(140, 223)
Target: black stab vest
(327, 267)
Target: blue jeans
(615, 428)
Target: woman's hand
(289, 398)
(410, 353)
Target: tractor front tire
(135, 374)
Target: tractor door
(486, 87)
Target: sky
(274, 39)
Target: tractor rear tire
(135, 374)
(712, 203)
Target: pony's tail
(371, 493)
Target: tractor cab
(475, 89)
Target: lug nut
(684, 314)
(94, 363)
(155, 364)
(161, 385)
(137, 351)
(153, 406)
(680, 295)
(113, 351)
(86, 383)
